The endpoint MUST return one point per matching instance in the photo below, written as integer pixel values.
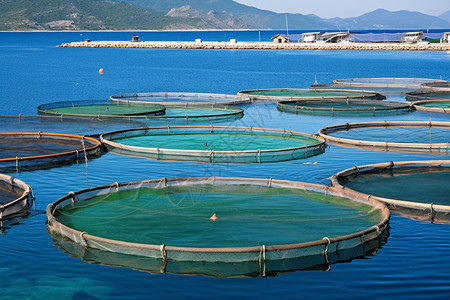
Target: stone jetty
(261, 46)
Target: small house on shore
(280, 39)
(135, 38)
(445, 37)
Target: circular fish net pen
(142, 112)
(309, 94)
(418, 137)
(386, 82)
(257, 222)
(23, 150)
(428, 95)
(16, 197)
(438, 85)
(439, 106)
(198, 113)
(180, 99)
(381, 85)
(417, 189)
(100, 108)
(344, 107)
(214, 144)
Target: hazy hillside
(445, 16)
(383, 19)
(247, 16)
(190, 14)
(82, 14)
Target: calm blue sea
(413, 264)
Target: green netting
(309, 94)
(15, 197)
(436, 104)
(344, 107)
(99, 108)
(180, 216)
(215, 141)
(186, 115)
(214, 144)
(431, 137)
(258, 220)
(440, 106)
(177, 99)
(23, 149)
(418, 189)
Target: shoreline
(259, 45)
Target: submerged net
(344, 107)
(258, 220)
(23, 149)
(417, 189)
(180, 99)
(428, 95)
(440, 106)
(427, 137)
(103, 108)
(154, 265)
(309, 94)
(15, 197)
(214, 144)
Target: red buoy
(101, 71)
(214, 217)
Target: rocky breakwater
(262, 46)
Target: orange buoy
(214, 217)
(101, 71)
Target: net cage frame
(321, 262)
(226, 99)
(366, 94)
(390, 106)
(433, 148)
(418, 106)
(43, 109)
(372, 82)
(441, 85)
(415, 210)
(213, 156)
(420, 95)
(18, 205)
(260, 254)
(235, 112)
(92, 149)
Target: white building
(310, 37)
(334, 37)
(445, 37)
(412, 37)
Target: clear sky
(348, 8)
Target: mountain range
(191, 14)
